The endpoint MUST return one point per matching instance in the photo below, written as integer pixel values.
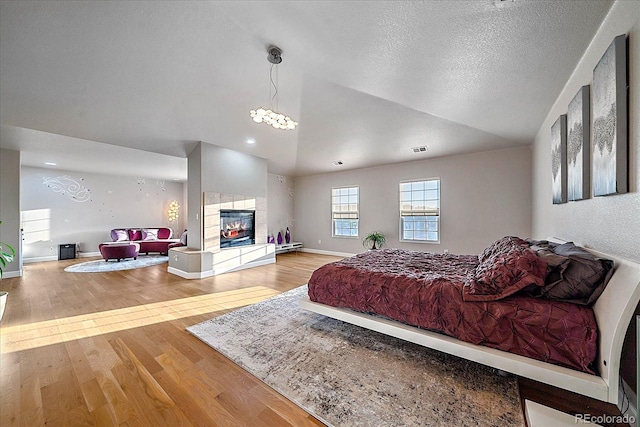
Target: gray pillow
(556, 264)
(581, 280)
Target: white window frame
(411, 211)
(343, 210)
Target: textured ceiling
(366, 80)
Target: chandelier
(270, 115)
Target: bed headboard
(614, 313)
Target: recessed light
(251, 141)
(337, 163)
(49, 163)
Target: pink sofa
(149, 239)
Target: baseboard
(55, 258)
(322, 252)
(88, 254)
(190, 275)
(10, 274)
(40, 259)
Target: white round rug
(101, 266)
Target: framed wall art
(610, 121)
(559, 160)
(579, 146)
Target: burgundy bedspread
(425, 290)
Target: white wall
(609, 224)
(194, 198)
(10, 207)
(51, 215)
(232, 172)
(279, 204)
(484, 196)
(217, 169)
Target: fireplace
(237, 228)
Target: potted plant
(374, 240)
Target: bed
(498, 308)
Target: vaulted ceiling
(367, 81)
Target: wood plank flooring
(111, 349)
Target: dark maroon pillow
(506, 266)
(135, 234)
(164, 233)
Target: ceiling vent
(337, 163)
(422, 149)
(503, 3)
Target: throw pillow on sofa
(119, 235)
(135, 234)
(149, 234)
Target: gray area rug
(345, 375)
(101, 266)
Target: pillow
(583, 279)
(164, 233)
(135, 234)
(499, 246)
(183, 238)
(119, 235)
(556, 264)
(506, 266)
(149, 234)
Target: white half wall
(484, 196)
(608, 224)
(60, 207)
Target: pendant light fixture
(270, 115)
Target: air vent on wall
(337, 163)
(421, 149)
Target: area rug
(345, 375)
(101, 266)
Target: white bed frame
(613, 311)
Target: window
(420, 210)
(344, 211)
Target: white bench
(287, 247)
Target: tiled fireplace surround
(211, 260)
(214, 202)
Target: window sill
(430, 242)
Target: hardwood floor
(111, 349)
